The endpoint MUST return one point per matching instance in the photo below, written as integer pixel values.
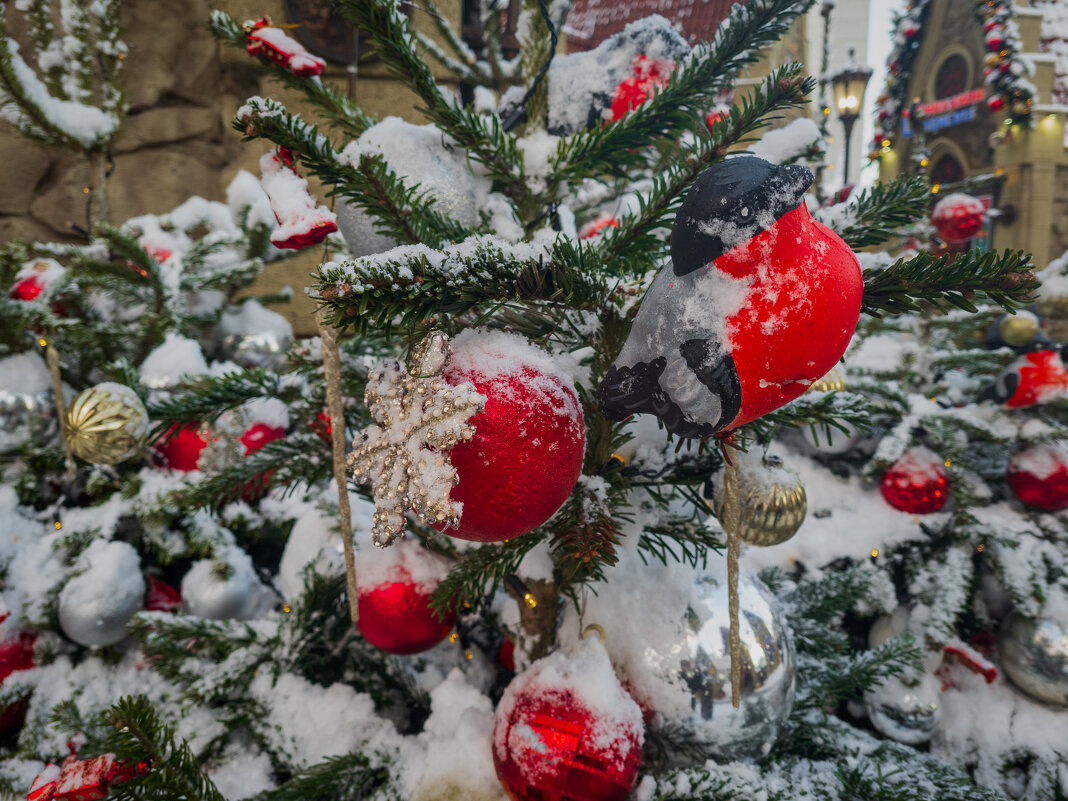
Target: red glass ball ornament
(916, 483)
(526, 453)
(180, 447)
(27, 288)
(958, 217)
(1038, 477)
(162, 597)
(15, 654)
(994, 43)
(995, 103)
(910, 31)
(649, 75)
(258, 435)
(394, 598)
(551, 744)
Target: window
(952, 78)
(947, 171)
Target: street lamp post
(849, 84)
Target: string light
(948, 462)
(58, 525)
(874, 553)
(469, 654)
(286, 608)
(981, 547)
(531, 601)
(454, 637)
(42, 342)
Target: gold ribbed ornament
(106, 424)
(769, 513)
(832, 381)
(1019, 328)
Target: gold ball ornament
(1019, 328)
(832, 381)
(772, 505)
(106, 424)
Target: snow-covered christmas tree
(580, 341)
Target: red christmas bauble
(958, 217)
(916, 483)
(551, 743)
(994, 42)
(526, 454)
(910, 31)
(180, 447)
(649, 74)
(1038, 477)
(162, 597)
(258, 435)
(596, 227)
(28, 288)
(712, 118)
(395, 585)
(995, 103)
(15, 654)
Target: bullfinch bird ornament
(758, 301)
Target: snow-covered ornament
(27, 408)
(907, 713)
(16, 653)
(958, 217)
(97, 603)
(772, 501)
(286, 52)
(82, 779)
(301, 223)
(649, 75)
(1034, 655)
(172, 361)
(1034, 378)
(566, 729)
(254, 336)
(180, 446)
(225, 588)
(525, 455)
(404, 454)
(106, 424)
(917, 482)
(1022, 331)
(686, 683)
(759, 301)
(395, 585)
(1038, 476)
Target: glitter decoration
(404, 455)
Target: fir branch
(820, 410)
(462, 62)
(343, 112)
(585, 535)
(881, 211)
(480, 571)
(402, 211)
(834, 678)
(350, 777)
(141, 736)
(634, 241)
(205, 399)
(951, 281)
(409, 285)
(688, 94)
(686, 541)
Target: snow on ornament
(958, 217)
(253, 336)
(566, 729)
(34, 277)
(759, 301)
(27, 407)
(16, 653)
(395, 585)
(225, 588)
(1034, 653)
(273, 44)
(1038, 476)
(108, 588)
(82, 779)
(106, 424)
(909, 713)
(649, 76)
(917, 482)
(772, 501)
(173, 360)
(301, 223)
(1034, 378)
(525, 455)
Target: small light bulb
(58, 525)
(42, 342)
(531, 601)
(874, 553)
(981, 547)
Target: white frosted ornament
(225, 588)
(96, 604)
(907, 713)
(176, 358)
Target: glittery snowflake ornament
(404, 456)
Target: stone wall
(183, 89)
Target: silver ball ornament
(225, 588)
(689, 683)
(96, 605)
(909, 714)
(253, 336)
(1034, 655)
(27, 408)
(357, 228)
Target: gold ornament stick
(730, 523)
(52, 357)
(336, 406)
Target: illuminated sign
(946, 112)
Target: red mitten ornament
(649, 75)
(1034, 378)
(566, 730)
(526, 453)
(1038, 476)
(180, 447)
(395, 585)
(958, 217)
(82, 779)
(760, 300)
(286, 52)
(300, 222)
(15, 654)
(916, 483)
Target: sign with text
(944, 113)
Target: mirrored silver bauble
(700, 721)
(96, 605)
(27, 409)
(253, 336)
(1034, 654)
(907, 714)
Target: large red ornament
(551, 742)
(258, 435)
(1038, 477)
(180, 447)
(649, 75)
(916, 483)
(958, 217)
(15, 654)
(286, 52)
(526, 454)
(394, 598)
